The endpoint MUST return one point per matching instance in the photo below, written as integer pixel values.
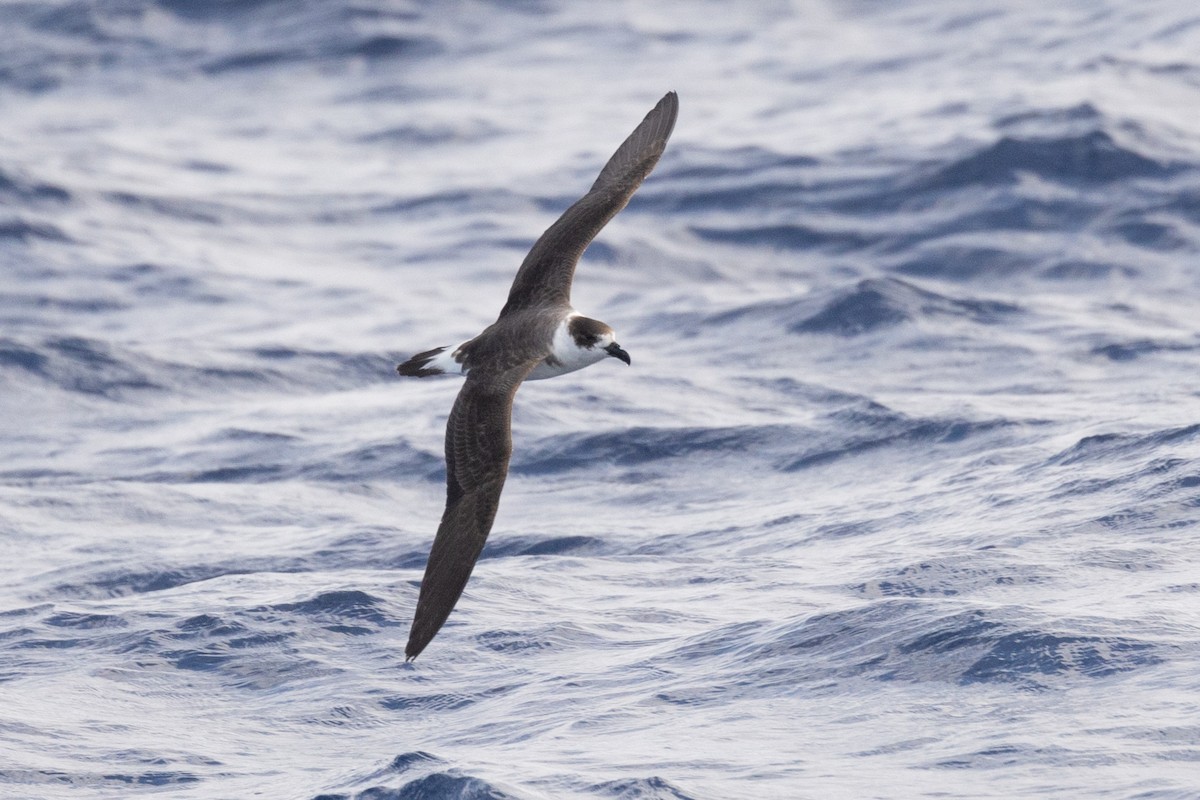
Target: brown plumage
(479, 430)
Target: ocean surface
(899, 498)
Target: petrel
(537, 335)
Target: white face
(568, 356)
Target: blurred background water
(899, 498)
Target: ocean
(898, 499)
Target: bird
(537, 335)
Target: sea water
(899, 497)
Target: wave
(870, 305)
(1138, 348)
(1103, 448)
(437, 783)
(902, 640)
(186, 210)
(787, 237)
(642, 445)
(18, 189)
(220, 215)
(65, 41)
(844, 433)
(437, 786)
(882, 302)
(652, 788)
(76, 364)
(26, 232)
(93, 367)
(952, 576)
(949, 218)
(108, 780)
(370, 48)
(1091, 158)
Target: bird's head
(592, 334)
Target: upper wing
(545, 274)
(478, 446)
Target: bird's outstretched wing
(545, 275)
(478, 446)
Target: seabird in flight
(537, 335)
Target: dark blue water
(899, 499)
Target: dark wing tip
(546, 273)
(670, 101)
(422, 633)
(641, 150)
(668, 108)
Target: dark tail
(418, 365)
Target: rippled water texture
(899, 498)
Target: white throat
(566, 355)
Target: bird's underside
(479, 430)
